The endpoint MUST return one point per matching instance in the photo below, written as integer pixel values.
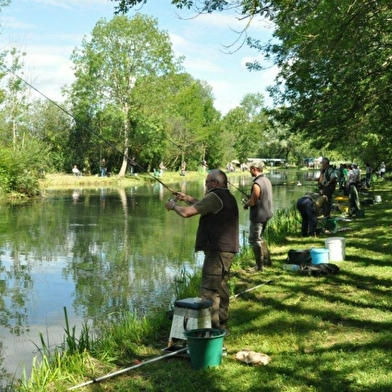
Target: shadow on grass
(324, 333)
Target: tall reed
(285, 222)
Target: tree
(51, 126)
(335, 67)
(245, 127)
(113, 70)
(21, 154)
(15, 104)
(186, 120)
(248, 7)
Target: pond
(99, 251)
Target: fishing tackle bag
(321, 269)
(298, 256)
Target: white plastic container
(336, 247)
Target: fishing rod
(173, 353)
(99, 136)
(98, 379)
(251, 289)
(245, 194)
(229, 182)
(89, 129)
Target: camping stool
(189, 313)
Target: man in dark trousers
(217, 236)
(327, 184)
(310, 207)
(260, 203)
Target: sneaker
(224, 352)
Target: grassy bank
(323, 334)
(59, 181)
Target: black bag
(299, 257)
(322, 269)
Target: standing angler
(217, 236)
(260, 203)
(327, 184)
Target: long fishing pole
(98, 379)
(229, 182)
(245, 194)
(111, 145)
(251, 289)
(85, 126)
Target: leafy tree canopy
(201, 6)
(120, 78)
(335, 66)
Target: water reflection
(97, 252)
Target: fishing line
(111, 145)
(180, 148)
(85, 126)
(245, 194)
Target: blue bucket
(319, 255)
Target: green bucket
(205, 347)
(330, 224)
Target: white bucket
(336, 247)
(377, 198)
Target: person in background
(217, 236)
(327, 184)
(260, 204)
(103, 168)
(383, 169)
(161, 168)
(357, 174)
(351, 179)
(76, 171)
(132, 164)
(310, 206)
(345, 174)
(341, 179)
(368, 171)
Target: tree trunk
(124, 165)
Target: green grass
(62, 180)
(323, 334)
(59, 181)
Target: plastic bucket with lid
(205, 347)
(336, 247)
(319, 255)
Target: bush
(17, 176)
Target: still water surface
(99, 251)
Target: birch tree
(113, 71)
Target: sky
(49, 30)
